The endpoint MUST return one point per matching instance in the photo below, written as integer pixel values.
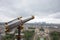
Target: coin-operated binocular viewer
(9, 26)
(16, 23)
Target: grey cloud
(48, 6)
(56, 16)
(14, 8)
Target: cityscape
(31, 31)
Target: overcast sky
(43, 10)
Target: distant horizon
(36, 20)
